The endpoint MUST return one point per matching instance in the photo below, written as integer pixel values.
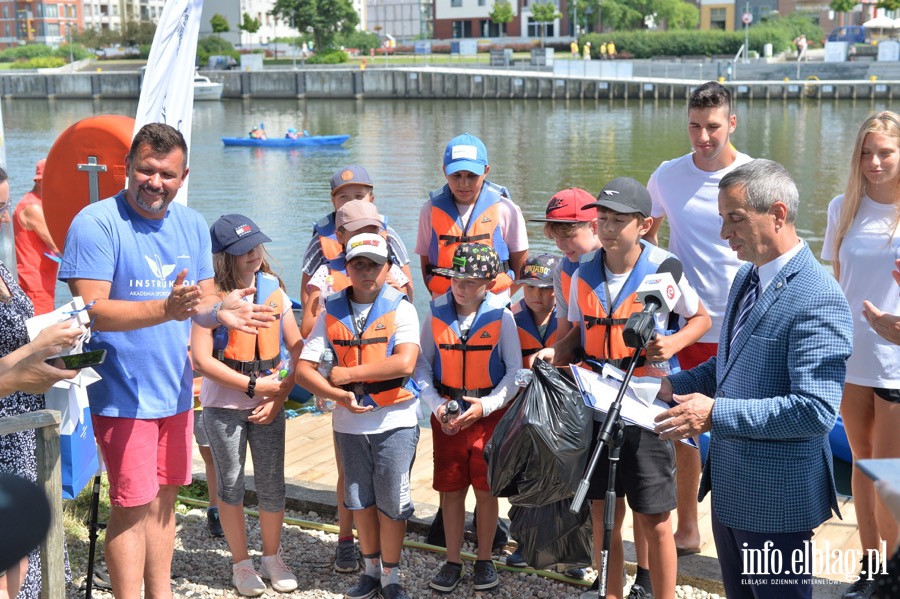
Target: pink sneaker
(281, 577)
(246, 580)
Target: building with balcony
(38, 21)
(454, 19)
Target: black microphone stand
(639, 331)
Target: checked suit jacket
(777, 397)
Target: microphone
(659, 293)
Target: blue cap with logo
(235, 234)
(465, 153)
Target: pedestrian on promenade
(586, 50)
(573, 47)
(771, 394)
(37, 256)
(685, 191)
(373, 332)
(802, 44)
(243, 395)
(861, 240)
(143, 263)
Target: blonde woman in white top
(862, 243)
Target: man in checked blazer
(771, 394)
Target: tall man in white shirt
(686, 190)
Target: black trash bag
(552, 534)
(541, 446)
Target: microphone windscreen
(672, 265)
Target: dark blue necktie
(746, 306)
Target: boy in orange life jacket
(602, 297)
(535, 314)
(352, 218)
(470, 353)
(469, 208)
(349, 183)
(575, 232)
(373, 331)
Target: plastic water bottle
(523, 377)
(448, 421)
(326, 364)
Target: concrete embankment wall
(432, 83)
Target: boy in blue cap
(469, 208)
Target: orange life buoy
(66, 189)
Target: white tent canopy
(881, 22)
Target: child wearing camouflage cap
(470, 353)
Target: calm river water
(535, 148)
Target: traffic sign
(747, 18)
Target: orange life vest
(471, 366)
(567, 268)
(248, 353)
(326, 230)
(448, 231)
(602, 325)
(371, 345)
(530, 336)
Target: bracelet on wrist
(215, 313)
(251, 386)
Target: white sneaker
(281, 577)
(246, 580)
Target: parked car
(855, 34)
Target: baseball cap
(39, 169)
(465, 153)
(538, 271)
(356, 214)
(235, 234)
(567, 206)
(472, 261)
(350, 175)
(624, 195)
(370, 245)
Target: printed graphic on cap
(464, 153)
(459, 261)
(356, 244)
(536, 269)
(347, 175)
(555, 203)
(242, 230)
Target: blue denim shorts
(377, 469)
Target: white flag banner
(167, 92)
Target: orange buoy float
(89, 155)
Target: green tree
(324, 18)
(219, 24)
(843, 7)
(502, 14)
(889, 4)
(138, 33)
(543, 13)
(676, 14)
(249, 24)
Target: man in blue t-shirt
(144, 265)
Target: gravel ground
(202, 567)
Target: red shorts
(140, 455)
(459, 459)
(696, 354)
